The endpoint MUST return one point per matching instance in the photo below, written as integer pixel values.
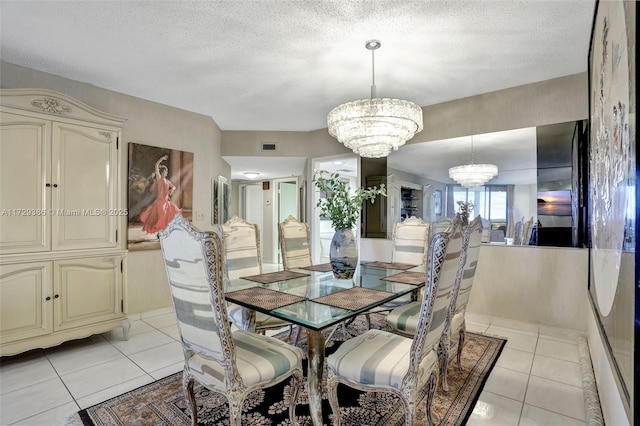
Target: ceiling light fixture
(251, 175)
(472, 175)
(373, 127)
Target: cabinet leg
(126, 326)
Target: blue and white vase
(343, 253)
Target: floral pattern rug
(163, 403)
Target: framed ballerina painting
(160, 184)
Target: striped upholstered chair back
(410, 241)
(474, 234)
(241, 254)
(439, 226)
(241, 246)
(294, 243)
(442, 271)
(232, 364)
(193, 262)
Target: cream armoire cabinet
(62, 221)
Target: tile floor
(536, 380)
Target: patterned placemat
(407, 277)
(354, 298)
(324, 267)
(276, 276)
(390, 265)
(261, 297)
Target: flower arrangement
(337, 203)
(465, 209)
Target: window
(490, 202)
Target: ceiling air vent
(268, 146)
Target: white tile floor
(536, 380)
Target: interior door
(287, 204)
(252, 206)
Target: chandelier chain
(373, 74)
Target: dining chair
(242, 258)
(404, 320)
(439, 226)
(294, 243)
(381, 361)
(233, 364)
(295, 247)
(472, 239)
(410, 241)
(486, 230)
(518, 232)
(527, 231)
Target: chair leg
(296, 335)
(410, 413)
(461, 340)
(235, 409)
(332, 392)
(433, 383)
(187, 387)
(443, 355)
(293, 397)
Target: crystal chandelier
(471, 175)
(373, 127)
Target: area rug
(163, 403)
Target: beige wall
(148, 123)
(546, 102)
(540, 285)
(317, 143)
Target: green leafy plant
(337, 203)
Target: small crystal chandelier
(472, 175)
(373, 127)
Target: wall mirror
(537, 182)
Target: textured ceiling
(282, 65)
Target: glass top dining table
(316, 301)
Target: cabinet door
(87, 291)
(84, 161)
(24, 174)
(24, 309)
